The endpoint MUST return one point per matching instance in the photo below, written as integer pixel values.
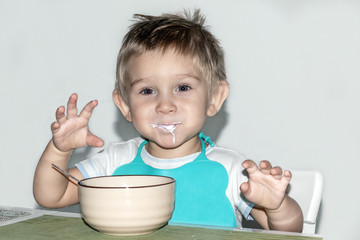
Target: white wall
(293, 66)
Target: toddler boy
(170, 78)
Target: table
(66, 227)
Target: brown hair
(183, 33)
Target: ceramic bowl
(127, 205)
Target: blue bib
(200, 188)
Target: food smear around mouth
(167, 128)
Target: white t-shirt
(108, 160)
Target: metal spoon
(66, 173)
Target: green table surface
(55, 227)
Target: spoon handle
(66, 173)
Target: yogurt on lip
(167, 128)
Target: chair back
(306, 187)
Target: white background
(293, 67)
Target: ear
(218, 98)
(122, 105)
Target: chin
(166, 142)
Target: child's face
(167, 98)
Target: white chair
(306, 188)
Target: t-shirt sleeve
(243, 205)
(107, 160)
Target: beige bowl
(127, 205)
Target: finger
(60, 115)
(250, 166)
(55, 127)
(71, 106)
(276, 172)
(88, 109)
(265, 166)
(94, 141)
(245, 188)
(287, 175)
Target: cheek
(139, 122)
(138, 113)
(197, 111)
(136, 110)
(201, 106)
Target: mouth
(166, 127)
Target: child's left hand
(266, 186)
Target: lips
(167, 127)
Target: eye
(147, 91)
(183, 88)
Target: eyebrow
(185, 75)
(191, 76)
(137, 81)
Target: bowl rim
(82, 184)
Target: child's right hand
(71, 131)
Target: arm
(51, 189)
(266, 189)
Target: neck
(191, 146)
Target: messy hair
(184, 33)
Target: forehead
(157, 64)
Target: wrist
(287, 217)
(282, 205)
(57, 150)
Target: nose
(166, 104)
